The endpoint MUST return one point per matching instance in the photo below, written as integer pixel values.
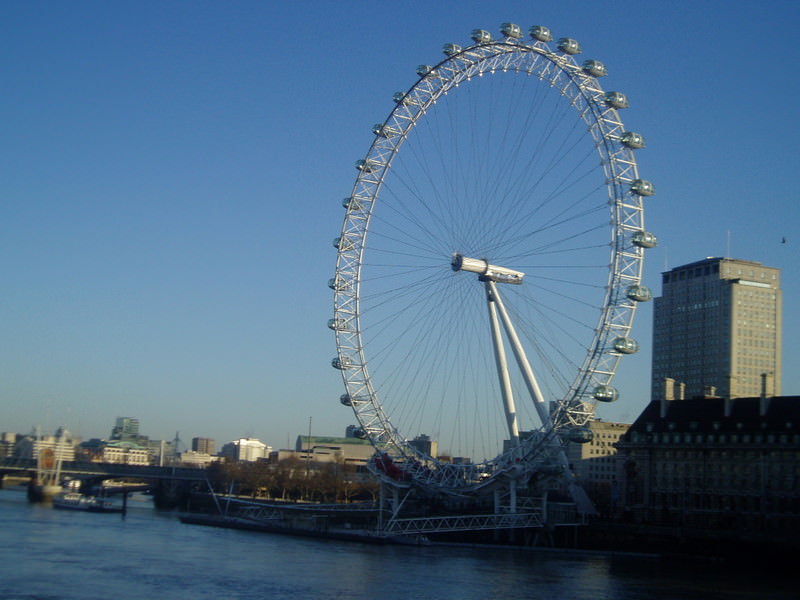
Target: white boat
(76, 501)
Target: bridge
(91, 470)
(170, 485)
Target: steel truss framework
(417, 526)
(575, 408)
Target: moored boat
(76, 501)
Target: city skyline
(174, 181)
(187, 442)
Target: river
(48, 554)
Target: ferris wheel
(489, 264)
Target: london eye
(489, 263)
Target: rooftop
(702, 414)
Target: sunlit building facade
(125, 453)
(717, 325)
(246, 449)
(62, 445)
(593, 461)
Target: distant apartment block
(594, 461)
(203, 445)
(717, 325)
(197, 459)
(426, 445)
(8, 441)
(246, 449)
(125, 429)
(62, 444)
(348, 450)
(125, 453)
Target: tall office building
(125, 429)
(203, 445)
(717, 326)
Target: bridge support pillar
(512, 497)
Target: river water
(48, 554)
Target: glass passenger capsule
(480, 36)
(644, 239)
(642, 187)
(423, 70)
(338, 325)
(404, 99)
(568, 46)
(341, 243)
(541, 33)
(616, 100)
(578, 435)
(451, 49)
(639, 293)
(605, 393)
(626, 345)
(349, 400)
(511, 30)
(552, 469)
(336, 284)
(632, 140)
(384, 131)
(352, 203)
(366, 166)
(360, 434)
(594, 68)
(342, 363)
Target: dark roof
(712, 260)
(701, 414)
(331, 441)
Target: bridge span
(91, 470)
(171, 486)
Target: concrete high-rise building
(246, 449)
(717, 330)
(62, 445)
(203, 445)
(426, 445)
(125, 429)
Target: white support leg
(502, 366)
(522, 360)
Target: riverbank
(602, 537)
(689, 544)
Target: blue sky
(173, 172)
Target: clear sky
(172, 174)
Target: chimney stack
(763, 403)
(668, 395)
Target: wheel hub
(486, 271)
